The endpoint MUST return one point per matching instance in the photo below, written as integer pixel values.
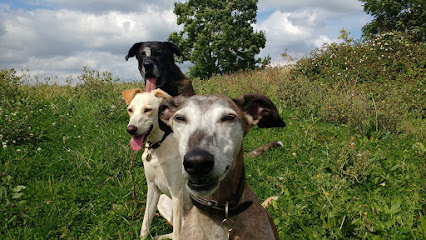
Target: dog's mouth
(202, 185)
(150, 83)
(136, 142)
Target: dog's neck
(155, 137)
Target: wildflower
(327, 194)
(38, 149)
(294, 154)
(18, 150)
(53, 124)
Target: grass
(352, 165)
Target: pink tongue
(136, 142)
(150, 84)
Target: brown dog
(209, 131)
(157, 66)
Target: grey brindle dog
(209, 131)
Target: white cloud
(300, 26)
(337, 7)
(66, 40)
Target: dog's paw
(165, 236)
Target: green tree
(402, 15)
(218, 35)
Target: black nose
(198, 162)
(149, 66)
(132, 129)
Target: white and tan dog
(209, 131)
(161, 160)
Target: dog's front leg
(151, 206)
(177, 215)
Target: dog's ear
(129, 94)
(174, 49)
(160, 94)
(166, 110)
(133, 50)
(259, 110)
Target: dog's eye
(229, 118)
(180, 118)
(130, 110)
(147, 110)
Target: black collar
(212, 207)
(158, 144)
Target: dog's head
(153, 60)
(143, 111)
(210, 131)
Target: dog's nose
(198, 162)
(148, 65)
(132, 129)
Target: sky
(57, 38)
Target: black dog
(157, 66)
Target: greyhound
(209, 131)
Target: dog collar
(212, 207)
(158, 144)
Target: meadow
(352, 166)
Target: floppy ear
(160, 94)
(259, 110)
(166, 110)
(174, 49)
(133, 51)
(129, 94)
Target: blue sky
(56, 38)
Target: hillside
(352, 165)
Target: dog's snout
(148, 65)
(132, 129)
(198, 162)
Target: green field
(352, 165)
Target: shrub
(370, 85)
(95, 84)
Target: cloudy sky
(57, 38)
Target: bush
(370, 85)
(17, 106)
(95, 84)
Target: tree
(402, 15)
(218, 35)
